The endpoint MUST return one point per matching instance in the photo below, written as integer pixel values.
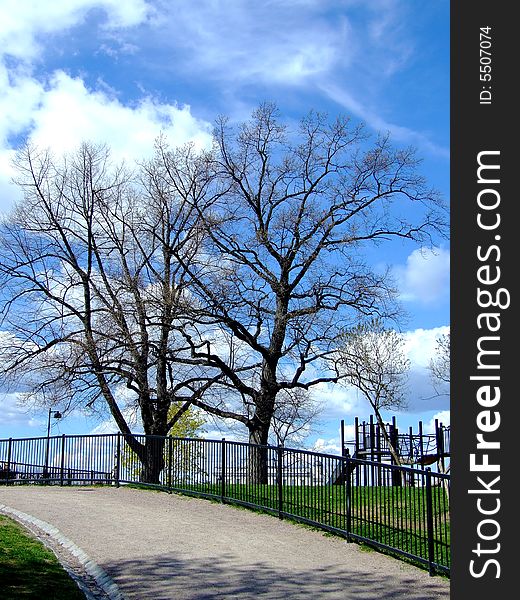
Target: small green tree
(180, 457)
(190, 423)
(183, 456)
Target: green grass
(29, 570)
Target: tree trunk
(391, 448)
(152, 459)
(258, 468)
(396, 474)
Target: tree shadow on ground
(167, 577)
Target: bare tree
(221, 279)
(286, 218)
(372, 359)
(91, 291)
(440, 362)
(294, 416)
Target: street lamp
(56, 415)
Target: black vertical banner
(484, 325)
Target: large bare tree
(91, 291)
(286, 218)
(219, 279)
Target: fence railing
(399, 509)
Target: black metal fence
(398, 509)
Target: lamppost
(56, 415)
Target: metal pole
(9, 450)
(356, 451)
(372, 442)
(223, 471)
(348, 496)
(46, 465)
(429, 520)
(118, 459)
(170, 461)
(421, 438)
(379, 456)
(395, 439)
(280, 480)
(62, 458)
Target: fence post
(348, 495)
(62, 463)
(279, 477)
(170, 461)
(429, 520)
(9, 451)
(223, 471)
(118, 459)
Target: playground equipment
(417, 449)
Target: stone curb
(101, 577)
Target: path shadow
(168, 578)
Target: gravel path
(160, 546)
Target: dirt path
(160, 546)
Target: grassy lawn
(29, 570)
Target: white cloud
(59, 111)
(65, 112)
(420, 347)
(231, 434)
(329, 446)
(70, 113)
(426, 276)
(420, 344)
(20, 96)
(15, 414)
(24, 22)
(338, 400)
(443, 417)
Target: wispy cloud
(373, 119)
(24, 25)
(244, 43)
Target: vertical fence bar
(170, 461)
(9, 452)
(118, 459)
(421, 445)
(429, 519)
(348, 492)
(279, 477)
(62, 461)
(223, 471)
(372, 444)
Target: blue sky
(121, 72)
